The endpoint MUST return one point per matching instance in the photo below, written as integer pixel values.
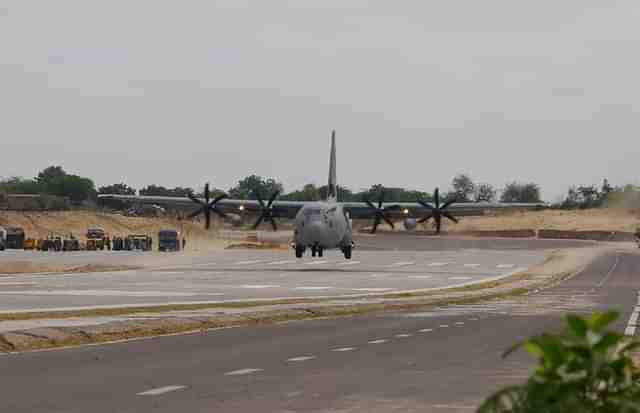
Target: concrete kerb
(560, 265)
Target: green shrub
(583, 369)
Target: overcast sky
(183, 92)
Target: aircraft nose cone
(315, 231)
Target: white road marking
(444, 325)
(611, 270)
(459, 323)
(425, 330)
(471, 265)
(403, 335)
(249, 262)
(460, 278)
(377, 341)
(316, 262)
(402, 263)
(473, 319)
(633, 320)
(349, 263)
(281, 262)
(107, 293)
(380, 275)
(10, 283)
(311, 288)
(373, 289)
(301, 358)
(343, 349)
(438, 264)
(258, 286)
(160, 390)
(420, 277)
(242, 372)
(505, 266)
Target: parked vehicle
(96, 239)
(14, 238)
(140, 242)
(3, 238)
(168, 240)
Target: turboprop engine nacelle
(410, 224)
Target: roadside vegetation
(585, 368)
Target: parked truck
(14, 238)
(96, 239)
(168, 240)
(3, 238)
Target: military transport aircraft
(325, 224)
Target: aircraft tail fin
(332, 189)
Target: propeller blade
(392, 208)
(451, 217)
(273, 197)
(206, 192)
(438, 224)
(425, 204)
(218, 198)
(381, 199)
(258, 222)
(194, 199)
(436, 198)
(207, 217)
(220, 213)
(388, 221)
(194, 213)
(370, 204)
(376, 222)
(260, 200)
(273, 224)
(425, 219)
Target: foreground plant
(583, 369)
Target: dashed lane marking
(402, 264)
(377, 341)
(471, 265)
(474, 319)
(438, 264)
(425, 330)
(312, 288)
(258, 286)
(460, 278)
(373, 289)
(242, 372)
(459, 323)
(343, 349)
(249, 262)
(301, 358)
(403, 335)
(317, 262)
(505, 266)
(160, 390)
(611, 270)
(381, 275)
(281, 262)
(444, 325)
(420, 277)
(349, 263)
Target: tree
(485, 193)
(50, 173)
(463, 187)
(158, 190)
(17, 185)
(117, 189)
(585, 368)
(77, 188)
(248, 187)
(308, 193)
(520, 192)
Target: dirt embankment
(39, 224)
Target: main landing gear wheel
(320, 252)
(347, 252)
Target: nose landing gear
(316, 249)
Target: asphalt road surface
(246, 275)
(445, 360)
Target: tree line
(54, 180)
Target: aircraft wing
(282, 209)
(414, 210)
(288, 209)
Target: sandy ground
(605, 219)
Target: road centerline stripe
(160, 390)
(241, 372)
(380, 341)
(343, 349)
(301, 358)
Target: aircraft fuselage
(322, 225)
